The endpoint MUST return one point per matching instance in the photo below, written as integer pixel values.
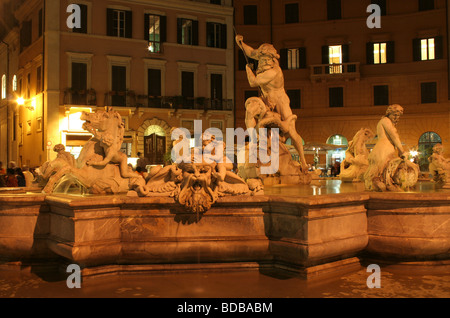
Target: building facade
(341, 74)
(160, 64)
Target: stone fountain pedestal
(310, 235)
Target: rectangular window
(250, 15)
(3, 86)
(154, 88)
(155, 31)
(428, 93)
(118, 85)
(427, 49)
(291, 13)
(381, 95)
(119, 23)
(381, 4)
(187, 88)
(187, 32)
(334, 9)
(216, 91)
(25, 35)
(40, 23)
(28, 86)
(336, 96)
(216, 35)
(295, 98)
(39, 80)
(381, 53)
(335, 57)
(79, 83)
(293, 59)
(426, 5)
(84, 19)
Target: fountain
(200, 214)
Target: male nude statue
(269, 78)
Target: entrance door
(155, 148)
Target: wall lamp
(31, 106)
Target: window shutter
(369, 53)
(223, 35)
(163, 28)
(194, 32)
(146, 27)
(325, 54)
(128, 24)
(416, 50)
(302, 53)
(284, 59)
(209, 34)
(179, 31)
(390, 52)
(110, 22)
(345, 53)
(438, 47)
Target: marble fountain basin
(310, 229)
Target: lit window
(293, 59)
(14, 83)
(379, 53)
(187, 32)
(427, 49)
(154, 33)
(119, 23)
(3, 86)
(335, 57)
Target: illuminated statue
(389, 168)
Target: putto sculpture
(199, 179)
(272, 108)
(356, 159)
(389, 168)
(439, 167)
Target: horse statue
(101, 167)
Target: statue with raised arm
(389, 168)
(274, 110)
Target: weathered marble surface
(309, 234)
(440, 167)
(389, 168)
(272, 110)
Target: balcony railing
(80, 97)
(130, 99)
(335, 71)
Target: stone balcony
(329, 72)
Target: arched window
(336, 155)
(426, 143)
(14, 83)
(3, 86)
